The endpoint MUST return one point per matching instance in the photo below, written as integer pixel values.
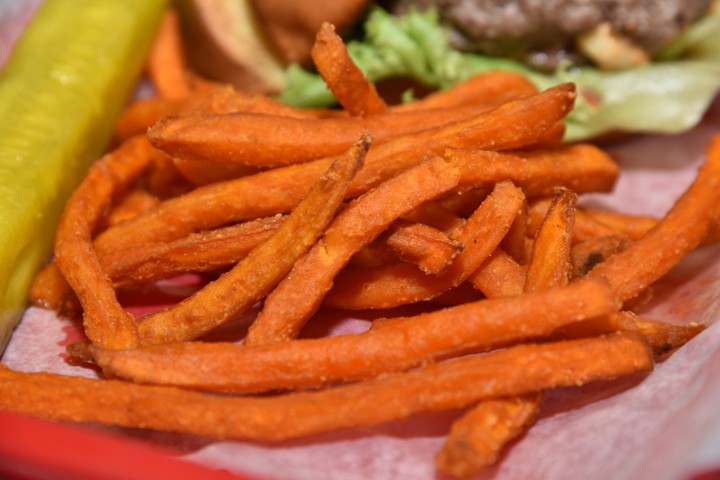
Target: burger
(640, 65)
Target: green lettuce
(668, 95)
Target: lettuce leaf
(668, 95)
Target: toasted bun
(224, 41)
(292, 26)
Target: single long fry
(166, 63)
(198, 252)
(399, 284)
(477, 438)
(266, 140)
(497, 86)
(250, 280)
(404, 344)
(682, 229)
(342, 76)
(550, 261)
(104, 320)
(663, 337)
(437, 387)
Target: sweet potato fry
(663, 337)
(406, 343)
(588, 253)
(342, 76)
(499, 276)
(166, 63)
(48, 288)
(443, 386)
(430, 249)
(549, 266)
(495, 87)
(199, 252)
(682, 229)
(399, 284)
(141, 114)
(104, 320)
(271, 140)
(581, 168)
(288, 307)
(130, 205)
(550, 261)
(477, 438)
(250, 280)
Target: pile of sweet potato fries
(464, 202)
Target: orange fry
(438, 387)
(275, 191)
(342, 76)
(403, 344)
(104, 320)
(166, 63)
(430, 249)
(400, 283)
(588, 253)
(499, 276)
(267, 140)
(254, 276)
(682, 229)
(476, 439)
(550, 263)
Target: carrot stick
(342, 76)
(250, 280)
(399, 284)
(104, 320)
(438, 387)
(682, 229)
(404, 344)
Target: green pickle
(61, 90)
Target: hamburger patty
(525, 28)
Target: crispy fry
(251, 279)
(141, 114)
(682, 229)
(199, 252)
(590, 252)
(499, 276)
(166, 63)
(495, 87)
(428, 248)
(476, 439)
(130, 205)
(437, 387)
(342, 76)
(406, 343)
(104, 320)
(550, 263)
(663, 337)
(399, 284)
(271, 140)
(48, 288)
(581, 168)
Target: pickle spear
(61, 90)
